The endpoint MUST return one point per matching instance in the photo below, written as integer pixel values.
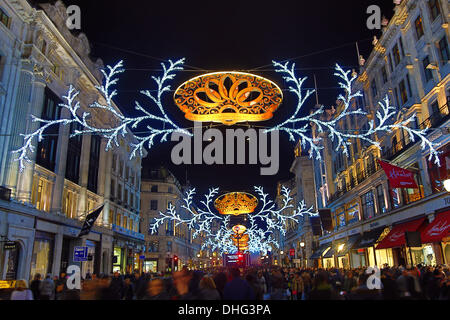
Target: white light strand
(112, 134)
(384, 117)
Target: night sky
(228, 36)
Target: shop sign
(10, 245)
(80, 254)
(292, 252)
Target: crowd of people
(400, 283)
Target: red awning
(396, 238)
(438, 229)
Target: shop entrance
(13, 263)
(65, 255)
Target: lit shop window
(69, 204)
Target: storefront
(118, 265)
(396, 241)
(151, 266)
(435, 249)
(328, 258)
(317, 255)
(364, 254)
(42, 258)
(342, 251)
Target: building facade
(67, 177)
(410, 64)
(173, 246)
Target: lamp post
(281, 258)
(302, 246)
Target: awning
(396, 238)
(329, 254)
(348, 245)
(369, 239)
(438, 229)
(318, 253)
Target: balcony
(397, 149)
(361, 177)
(437, 118)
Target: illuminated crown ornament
(239, 229)
(228, 98)
(236, 203)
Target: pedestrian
(47, 288)
(220, 280)
(297, 287)
(140, 285)
(257, 289)
(21, 291)
(117, 287)
(60, 286)
(238, 288)
(129, 290)
(322, 289)
(34, 286)
(208, 290)
(156, 291)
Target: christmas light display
(113, 133)
(216, 229)
(384, 116)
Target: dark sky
(228, 35)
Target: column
(107, 183)
(57, 252)
(84, 171)
(18, 126)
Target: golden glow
(236, 203)
(239, 229)
(341, 247)
(228, 98)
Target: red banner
(399, 177)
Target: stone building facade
(67, 177)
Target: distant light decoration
(228, 98)
(236, 203)
(216, 231)
(239, 229)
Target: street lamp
(302, 245)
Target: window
(2, 66)
(169, 228)
(419, 27)
(391, 65)
(4, 18)
(408, 82)
(46, 150)
(402, 50)
(119, 192)
(374, 89)
(113, 188)
(403, 92)
(114, 163)
(443, 50)
(74, 154)
(120, 168)
(439, 174)
(170, 190)
(69, 204)
(41, 194)
(153, 246)
(169, 246)
(127, 173)
(435, 10)
(396, 98)
(132, 200)
(368, 205)
(428, 73)
(154, 205)
(118, 220)
(380, 199)
(384, 74)
(44, 47)
(396, 53)
(94, 160)
(154, 189)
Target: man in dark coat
(238, 288)
(117, 287)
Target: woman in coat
(21, 292)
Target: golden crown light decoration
(228, 98)
(236, 203)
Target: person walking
(47, 288)
(21, 291)
(238, 288)
(34, 286)
(297, 287)
(208, 290)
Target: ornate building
(68, 177)
(410, 64)
(173, 246)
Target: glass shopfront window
(117, 265)
(424, 255)
(384, 256)
(42, 259)
(353, 212)
(151, 266)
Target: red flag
(399, 177)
